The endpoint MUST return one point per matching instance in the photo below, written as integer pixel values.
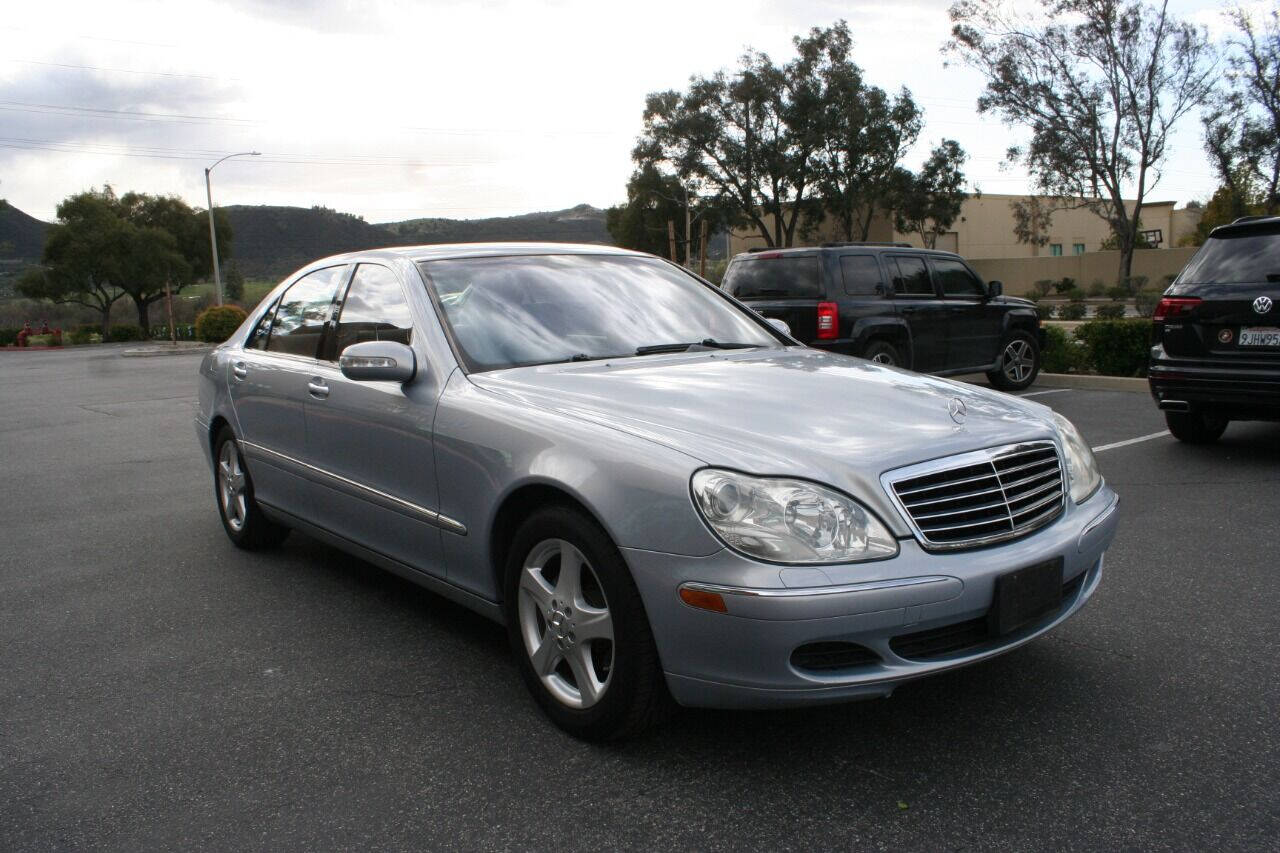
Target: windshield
(1248, 258)
(539, 309)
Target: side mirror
(780, 325)
(994, 289)
(378, 361)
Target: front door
(973, 320)
(371, 442)
(917, 302)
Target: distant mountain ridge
(272, 241)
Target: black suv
(1217, 333)
(890, 303)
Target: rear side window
(861, 274)
(912, 276)
(374, 310)
(1248, 258)
(304, 309)
(956, 279)
(779, 277)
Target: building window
(1077, 248)
(1055, 249)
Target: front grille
(983, 497)
(827, 656)
(968, 636)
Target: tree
(1242, 125)
(928, 202)
(654, 199)
(83, 257)
(233, 282)
(1032, 219)
(1099, 84)
(750, 137)
(1227, 204)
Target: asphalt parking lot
(161, 689)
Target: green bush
(1117, 347)
(1097, 288)
(1112, 311)
(1065, 285)
(1146, 300)
(1118, 292)
(1041, 288)
(1045, 310)
(216, 324)
(8, 336)
(1075, 294)
(1063, 353)
(124, 332)
(1072, 311)
(1133, 284)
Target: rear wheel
(578, 628)
(883, 352)
(1195, 427)
(1019, 363)
(241, 516)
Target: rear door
(785, 286)
(867, 299)
(973, 320)
(916, 301)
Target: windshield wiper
(705, 343)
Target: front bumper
(743, 658)
(1241, 387)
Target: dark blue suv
(888, 302)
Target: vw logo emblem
(957, 410)
(1262, 304)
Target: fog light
(703, 600)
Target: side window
(912, 278)
(374, 310)
(304, 309)
(956, 278)
(861, 274)
(258, 337)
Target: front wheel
(578, 628)
(1195, 427)
(1019, 363)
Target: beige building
(984, 229)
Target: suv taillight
(828, 321)
(1171, 307)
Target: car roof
(448, 251)
(844, 247)
(1248, 225)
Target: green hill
(581, 224)
(21, 236)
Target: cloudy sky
(395, 110)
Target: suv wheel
(883, 352)
(1195, 427)
(1019, 363)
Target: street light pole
(213, 231)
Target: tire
(1195, 427)
(883, 352)
(584, 646)
(1019, 363)
(242, 518)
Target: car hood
(795, 412)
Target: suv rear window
(784, 277)
(1235, 259)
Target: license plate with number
(1260, 336)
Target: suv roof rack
(1240, 219)
(837, 244)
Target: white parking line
(1129, 441)
(1050, 391)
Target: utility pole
(213, 231)
(671, 240)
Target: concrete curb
(1092, 383)
(167, 349)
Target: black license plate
(1026, 595)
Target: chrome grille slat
(1005, 492)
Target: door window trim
(924, 259)
(979, 294)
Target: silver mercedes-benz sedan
(658, 492)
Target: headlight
(789, 521)
(1081, 466)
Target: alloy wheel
(883, 358)
(1018, 360)
(232, 487)
(565, 622)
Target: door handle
(908, 309)
(239, 370)
(317, 388)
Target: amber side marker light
(703, 600)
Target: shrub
(1072, 311)
(1075, 294)
(1118, 292)
(124, 332)
(81, 335)
(1133, 284)
(1097, 288)
(1112, 311)
(1117, 347)
(1044, 310)
(216, 324)
(1041, 288)
(1064, 285)
(1063, 353)
(8, 336)
(1146, 300)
